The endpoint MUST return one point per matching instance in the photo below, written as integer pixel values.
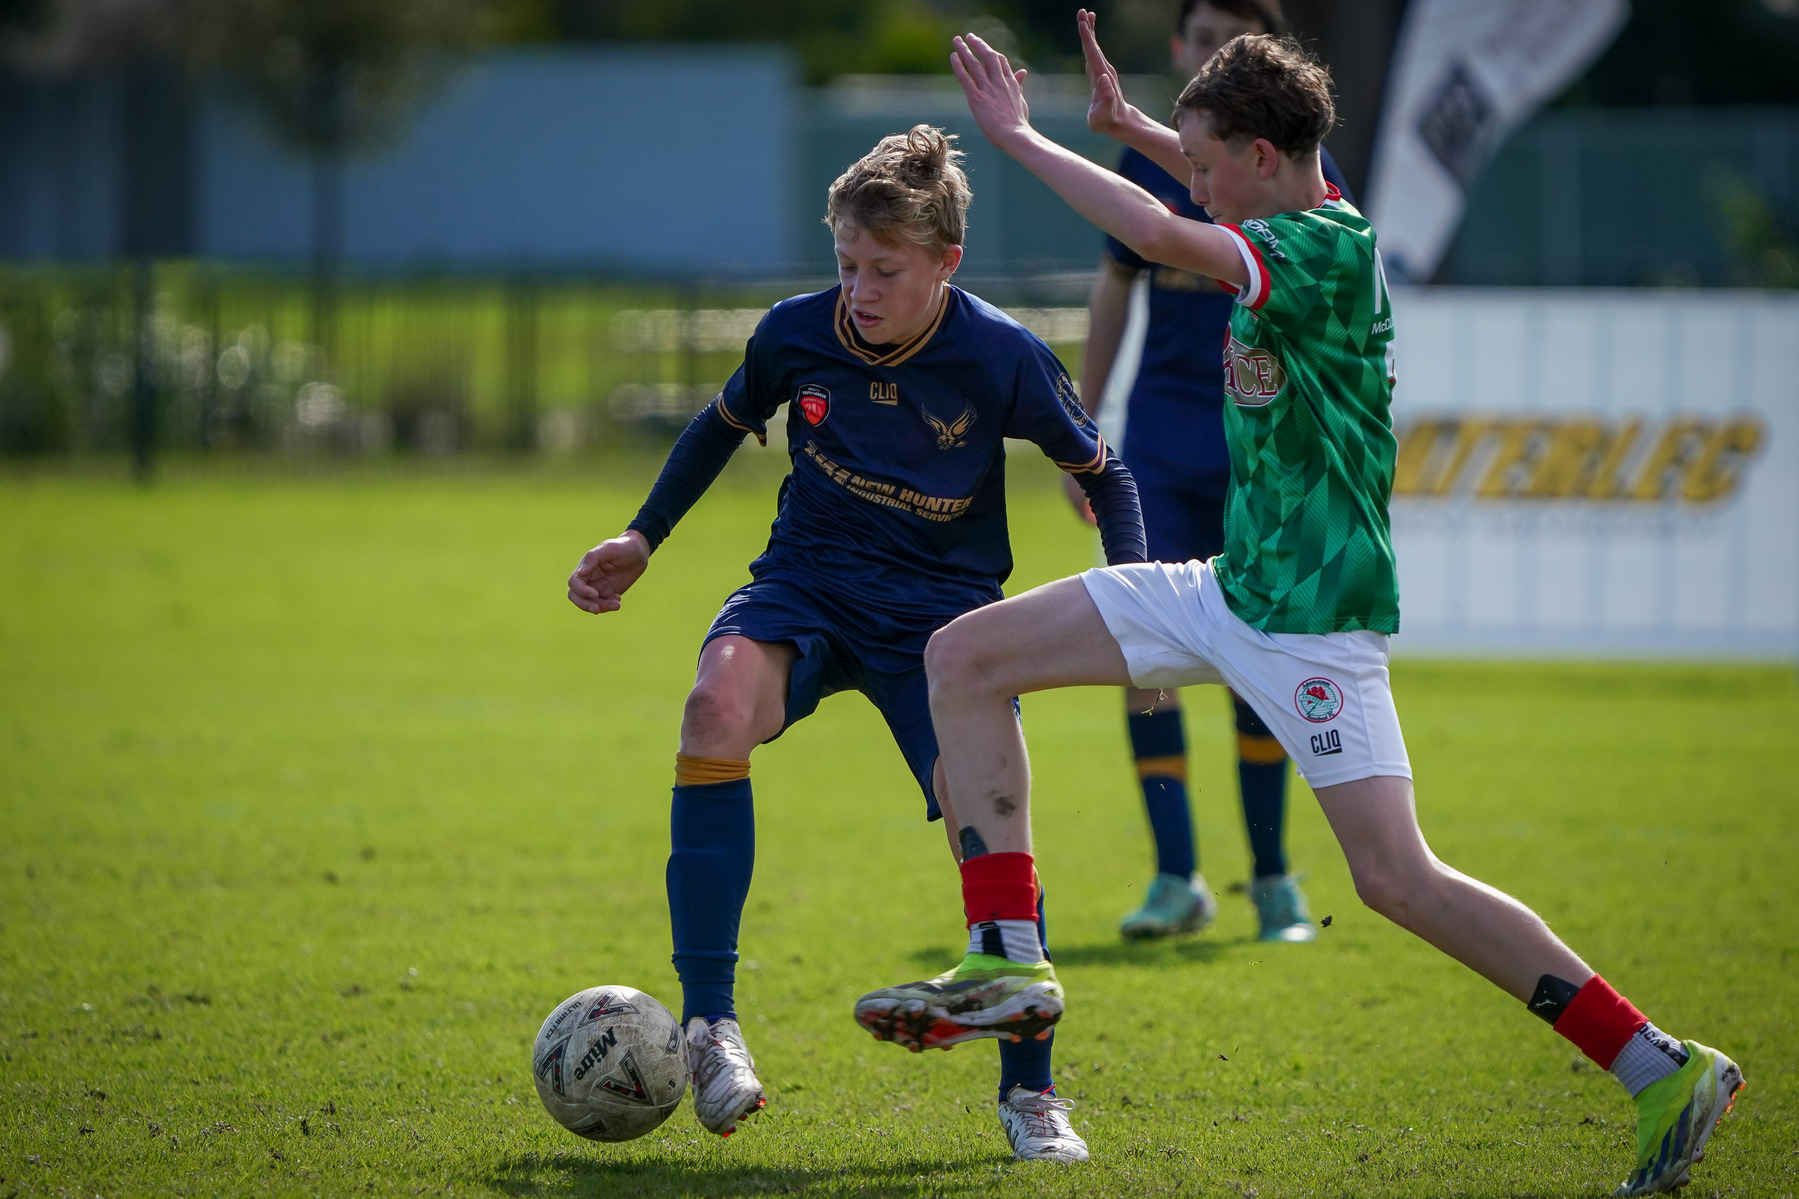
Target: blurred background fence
(330, 227)
(239, 360)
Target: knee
(1397, 890)
(953, 659)
(720, 723)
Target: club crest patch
(951, 434)
(1252, 376)
(815, 403)
(1318, 700)
(1071, 401)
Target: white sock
(1014, 940)
(1648, 1057)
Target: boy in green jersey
(1293, 615)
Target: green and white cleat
(1037, 1127)
(984, 996)
(1174, 905)
(1281, 909)
(1675, 1118)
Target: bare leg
(1052, 636)
(1398, 876)
(951, 829)
(739, 699)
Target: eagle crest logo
(951, 435)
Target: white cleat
(1037, 1125)
(725, 1086)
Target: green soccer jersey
(1308, 373)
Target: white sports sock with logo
(1648, 1057)
(1014, 940)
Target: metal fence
(184, 357)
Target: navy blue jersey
(1177, 402)
(896, 498)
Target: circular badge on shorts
(1318, 700)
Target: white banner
(1597, 472)
(1464, 74)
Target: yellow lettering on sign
(1679, 445)
(1566, 460)
(1416, 449)
(1717, 471)
(1469, 434)
(1605, 483)
(1511, 466)
(1539, 457)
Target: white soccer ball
(610, 1063)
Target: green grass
(315, 796)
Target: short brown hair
(909, 187)
(1258, 86)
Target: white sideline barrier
(1587, 473)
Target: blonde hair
(909, 187)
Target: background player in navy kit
(891, 523)
(1173, 442)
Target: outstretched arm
(1116, 205)
(1109, 113)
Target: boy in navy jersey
(899, 390)
(1173, 442)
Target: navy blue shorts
(844, 648)
(1183, 512)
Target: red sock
(999, 886)
(1599, 1021)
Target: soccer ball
(610, 1063)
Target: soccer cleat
(1036, 1124)
(1173, 905)
(983, 996)
(725, 1086)
(1281, 909)
(1676, 1116)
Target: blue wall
(648, 158)
(59, 169)
(652, 158)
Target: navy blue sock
(1160, 746)
(712, 832)
(1262, 779)
(1026, 1063)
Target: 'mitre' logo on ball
(815, 403)
(1318, 700)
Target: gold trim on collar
(893, 356)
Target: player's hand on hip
(995, 92)
(607, 571)
(1107, 111)
(1078, 498)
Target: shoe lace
(1048, 1111)
(717, 1055)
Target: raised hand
(1107, 110)
(994, 90)
(607, 571)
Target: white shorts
(1326, 696)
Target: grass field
(315, 796)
